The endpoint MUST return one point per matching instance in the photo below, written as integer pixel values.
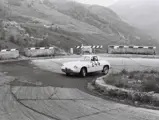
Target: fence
(144, 50)
(9, 54)
(39, 52)
(88, 49)
(51, 51)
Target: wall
(88, 49)
(144, 50)
(9, 54)
(39, 52)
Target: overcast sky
(97, 2)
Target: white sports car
(88, 64)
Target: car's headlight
(75, 67)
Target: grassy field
(146, 81)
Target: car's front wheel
(105, 70)
(83, 72)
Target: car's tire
(105, 70)
(83, 72)
(67, 74)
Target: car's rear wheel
(105, 70)
(83, 72)
(67, 74)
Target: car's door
(90, 66)
(95, 64)
(88, 63)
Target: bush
(117, 81)
(136, 97)
(27, 30)
(149, 85)
(142, 91)
(146, 81)
(113, 93)
(155, 101)
(3, 46)
(11, 38)
(124, 72)
(43, 43)
(145, 98)
(3, 35)
(153, 72)
(131, 96)
(122, 94)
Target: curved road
(42, 92)
(28, 75)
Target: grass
(146, 81)
(142, 88)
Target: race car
(87, 64)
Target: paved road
(30, 75)
(42, 92)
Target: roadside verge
(147, 100)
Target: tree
(3, 35)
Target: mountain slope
(67, 24)
(141, 13)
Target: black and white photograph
(79, 59)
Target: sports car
(87, 64)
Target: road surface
(42, 92)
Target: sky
(97, 2)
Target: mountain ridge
(68, 24)
(140, 13)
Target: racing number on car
(95, 64)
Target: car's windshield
(86, 58)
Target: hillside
(65, 24)
(140, 13)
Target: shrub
(124, 72)
(117, 81)
(143, 86)
(27, 30)
(113, 93)
(149, 84)
(3, 35)
(132, 96)
(146, 81)
(3, 46)
(11, 38)
(136, 96)
(155, 101)
(138, 76)
(145, 98)
(153, 72)
(122, 94)
(123, 83)
(43, 43)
